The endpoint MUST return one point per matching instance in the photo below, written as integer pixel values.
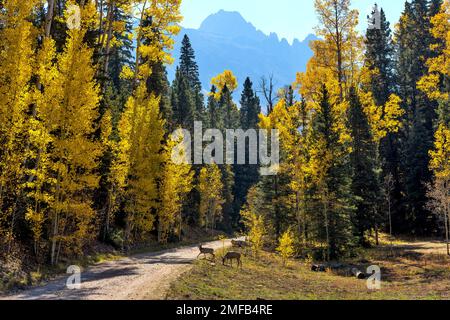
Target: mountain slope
(226, 41)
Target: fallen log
(358, 274)
(318, 268)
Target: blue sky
(288, 18)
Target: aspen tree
(69, 108)
(177, 182)
(144, 136)
(210, 188)
(16, 63)
(225, 79)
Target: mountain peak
(227, 23)
(226, 41)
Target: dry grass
(410, 270)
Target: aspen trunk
(49, 17)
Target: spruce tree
(189, 69)
(188, 66)
(246, 175)
(380, 60)
(363, 160)
(333, 180)
(214, 116)
(183, 109)
(413, 46)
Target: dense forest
(87, 112)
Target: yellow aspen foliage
(440, 156)
(382, 119)
(16, 64)
(286, 246)
(39, 197)
(227, 79)
(335, 63)
(68, 108)
(210, 187)
(438, 66)
(292, 123)
(254, 221)
(177, 182)
(141, 131)
(158, 35)
(284, 119)
(337, 55)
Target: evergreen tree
(159, 85)
(189, 70)
(120, 55)
(228, 110)
(183, 108)
(332, 179)
(246, 175)
(365, 185)
(379, 57)
(214, 116)
(413, 44)
(188, 66)
(228, 113)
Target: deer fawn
(206, 251)
(230, 256)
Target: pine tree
(189, 68)
(280, 190)
(228, 109)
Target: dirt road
(140, 277)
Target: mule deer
(230, 256)
(206, 251)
